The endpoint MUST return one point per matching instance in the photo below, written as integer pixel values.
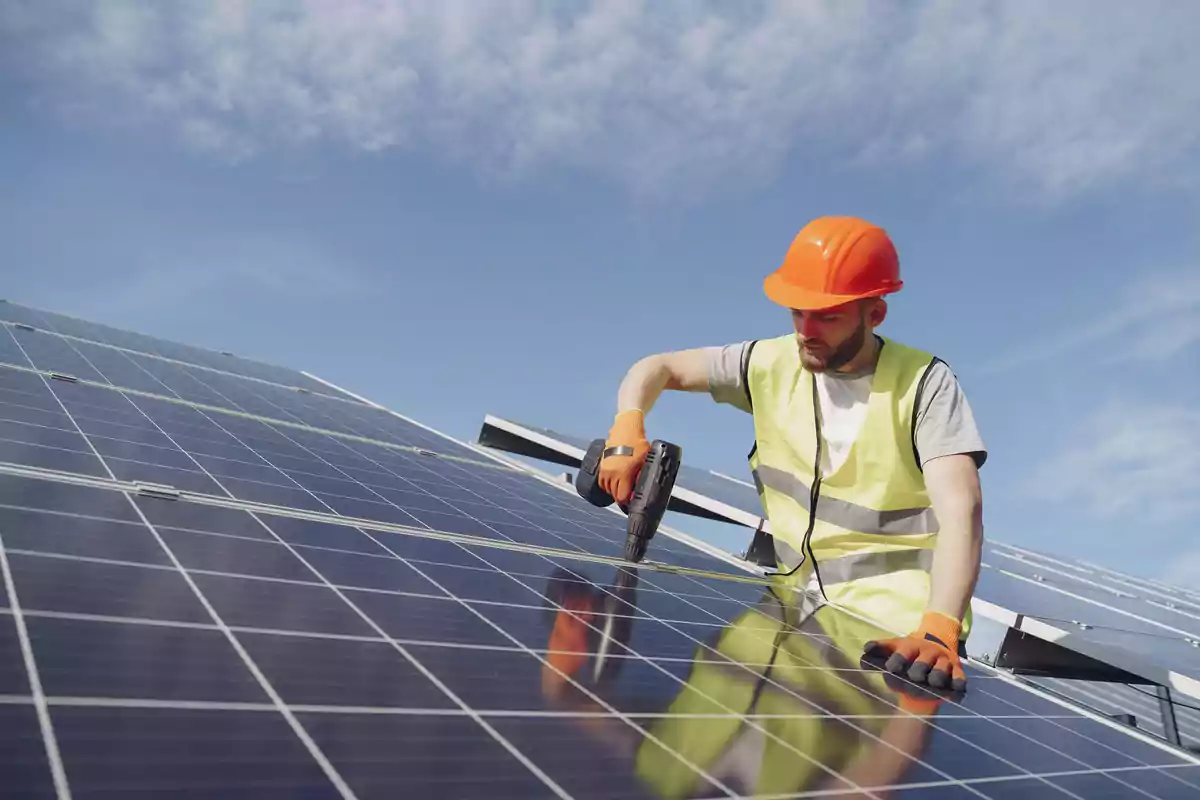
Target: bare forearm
(954, 488)
(956, 566)
(644, 383)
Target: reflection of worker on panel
(790, 662)
(590, 626)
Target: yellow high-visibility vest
(870, 541)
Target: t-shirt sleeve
(726, 374)
(945, 424)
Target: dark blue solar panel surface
(193, 650)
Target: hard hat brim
(791, 296)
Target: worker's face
(828, 339)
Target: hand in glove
(927, 655)
(626, 449)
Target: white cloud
(1153, 320)
(1055, 98)
(166, 278)
(1133, 459)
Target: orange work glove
(927, 655)
(619, 470)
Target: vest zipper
(815, 492)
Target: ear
(878, 312)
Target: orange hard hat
(835, 260)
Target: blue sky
(446, 206)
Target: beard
(822, 358)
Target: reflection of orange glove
(619, 471)
(929, 654)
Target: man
(876, 437)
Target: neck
(866, 356)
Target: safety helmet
(835, 260)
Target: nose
(806, 326)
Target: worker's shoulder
(899, 349)
(758, 351)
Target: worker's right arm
(680, 370)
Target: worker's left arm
(951, 451)
(954, 489)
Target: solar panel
(197, 602)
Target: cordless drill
(651, 492)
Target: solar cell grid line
(32, 676)
(942, 729)
(405, 653)
(327, 768)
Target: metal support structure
(1167, 709)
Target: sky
(464, 207)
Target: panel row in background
(103, 334)
(408, 659)
(51, 353)
(1128, 596)
(144, 439)
(1117, 699)
(1092, 614)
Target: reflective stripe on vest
(870, 535)
(860, 566)
(901, 521)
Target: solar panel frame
(261, 580)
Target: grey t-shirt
(945, 424)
